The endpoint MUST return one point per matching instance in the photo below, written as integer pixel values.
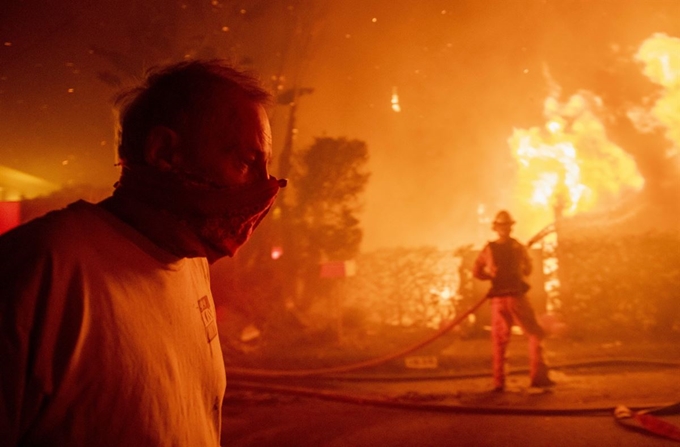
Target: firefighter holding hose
(506, 263)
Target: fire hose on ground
(644, 420)
(261, 373)
(634, 418)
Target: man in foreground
(108, 333)
(506, 263)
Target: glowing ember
(395, 100)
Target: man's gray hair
(180, 97)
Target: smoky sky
(466, 73)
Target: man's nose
(261, 171)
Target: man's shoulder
(62, 226)
(58, 240)
(515, 242)
(511, 244)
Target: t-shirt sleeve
(25, 285)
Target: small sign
(338, 269)
(421, 362)
(208, 318)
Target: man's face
(503, 230)
(232, 148)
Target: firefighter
(506, 263)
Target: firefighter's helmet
(503, 218)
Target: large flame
(660, 56)
(570, 165)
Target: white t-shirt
(105, 339)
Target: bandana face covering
(222, 217)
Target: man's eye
(248, 162)
(242, 163)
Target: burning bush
(406, 287)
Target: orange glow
(277, 252)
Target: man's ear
(162, 148)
